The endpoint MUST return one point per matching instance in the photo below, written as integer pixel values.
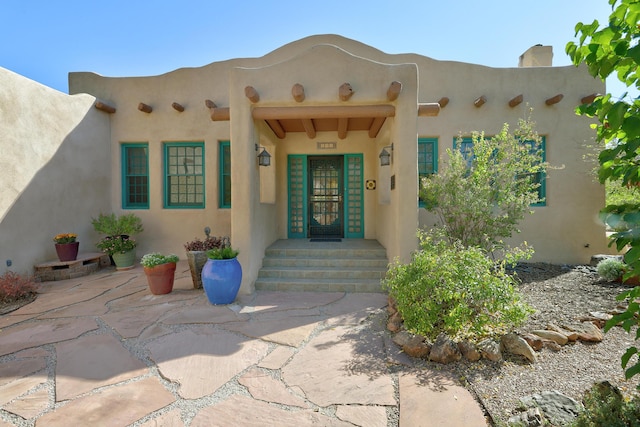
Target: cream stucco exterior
(566, 230)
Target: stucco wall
(560, 231)
(54, 174)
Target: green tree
(481, 196)
(607, 50)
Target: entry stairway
(350, 265)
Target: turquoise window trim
(430, 148)
(137, 179)
(224, 175)
(297, 209)
(190, 185)
(354, 198)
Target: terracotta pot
(160, 278)
(67, 251)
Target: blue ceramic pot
(221, 279)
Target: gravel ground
(559, 294)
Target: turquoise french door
(325, 196)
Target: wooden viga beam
(145, 108)
(323, 112)
(394, 90)
(429, 109)
(217, 114)
(554, 99)
(104, 107)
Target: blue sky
(45, 40)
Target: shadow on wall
(57, 161)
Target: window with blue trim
(184, 175)
(465, 145)
(224, 157)
(135, 175)
(427, 160)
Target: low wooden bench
(83, 265)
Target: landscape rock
(395, 322)
(490, 350)
(469, 351)
(571, 336)
(586, 332)
(534, 341)
(551, 345)
(417, 346)
(515, 344)
(401, 338)
(551, 335)
(444, 350)
(392, 308)
(557, 408)
(530, 418)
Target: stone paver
(99, 342)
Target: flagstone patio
(101, 350)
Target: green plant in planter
(156, 258)
(611, 269)
(112, 225)
(222, 253)
(116, 244)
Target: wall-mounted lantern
(264, 158)
(385, 156)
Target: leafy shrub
(604, 405)
(156, 258)
(456, 290)
(112, 225)
(222, 253)
(208, 243)
(14, 286)
(480, 197)
(611, 269)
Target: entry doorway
(326, 197)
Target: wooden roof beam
(145, 108)
(589, 98)
(376, 126)
(217, 114)
(517, 100)
(277, 128)
(177, 107)
(343, 125)
(345, 91)
(104, 107)
(443, 102)
(394, 90)
(430, 109)
(252, 94)
(309, 128)
(554, 100)
(323, 112)
(297, 91)
(480, 101)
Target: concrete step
(325, 273)
(319, 285)
(340, 263)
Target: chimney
(537, 56)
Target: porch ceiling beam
(376, 126)
(323, 112)
(430, 109)
(276, 127)
(343, 125)
(309, 128)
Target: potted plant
(613, 270)
(160, 270)
(118, 242)
(122, 249)
(197, 255)
(66, 246)
(222, 275)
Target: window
(466, 148)
(135, 176)
(224, 157)
(184, 175)
(540, 177)
(427, 160)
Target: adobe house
(346, 131)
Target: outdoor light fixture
(264, 158)
(385, 156)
